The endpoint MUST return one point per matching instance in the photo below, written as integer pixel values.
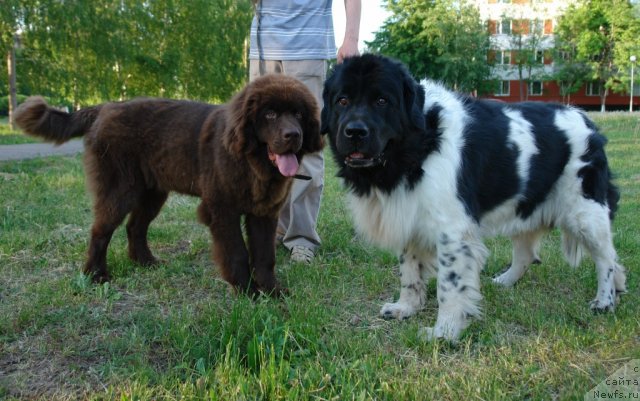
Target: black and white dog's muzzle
(358, 160)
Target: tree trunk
(603, 99)
(11, 68)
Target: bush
(4, 104)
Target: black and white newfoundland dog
(430, 173)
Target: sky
(373, 15)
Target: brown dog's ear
(239, 134)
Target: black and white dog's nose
(356, 130)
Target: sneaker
(301, 254)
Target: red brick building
(525, 28)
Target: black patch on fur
(553, 154)
(488, 174)
(415, 287)
(466, 250)
(447, 259)
(453, 278)
(596, 175)
(489, 171)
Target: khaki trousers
(299, 216)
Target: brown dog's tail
(36, 118)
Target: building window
(492, 25)
(593, 89)
(536, 27)
(538, 56)
(503, 88)
(535, 88)
(504, 57)
(520, 27)
(505, 27)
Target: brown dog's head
(275, 118)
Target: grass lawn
(11, 137)
(176, 332)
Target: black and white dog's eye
(343, 101)
(382, 101)
(271, 115)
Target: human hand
(349, 48)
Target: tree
(570, 73)
(444, 40)
(598, 36)
(9, 44)
(527, 43)
(626, 44)
(79, 52)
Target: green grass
(11, 137)
(176, 332)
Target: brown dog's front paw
(97, 273)
(144, 258)
(276, 291)
(99, 277)
(250, 291)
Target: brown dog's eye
(271, 115)
(299, 116)
(382, 101)
(343, 101)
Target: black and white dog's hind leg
(589, 226)
(460, 261)
(416, 268)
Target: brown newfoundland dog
(240, 158)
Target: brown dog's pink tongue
(287, 164)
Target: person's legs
(268, 66)
(299, 216)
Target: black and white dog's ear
(414, 100)
(326, 105)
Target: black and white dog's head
(373, 114)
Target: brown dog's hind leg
(106, 221)
(261, 232)
(147, 208)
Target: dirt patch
(60, 362)
(28, 373)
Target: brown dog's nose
(292, 135)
